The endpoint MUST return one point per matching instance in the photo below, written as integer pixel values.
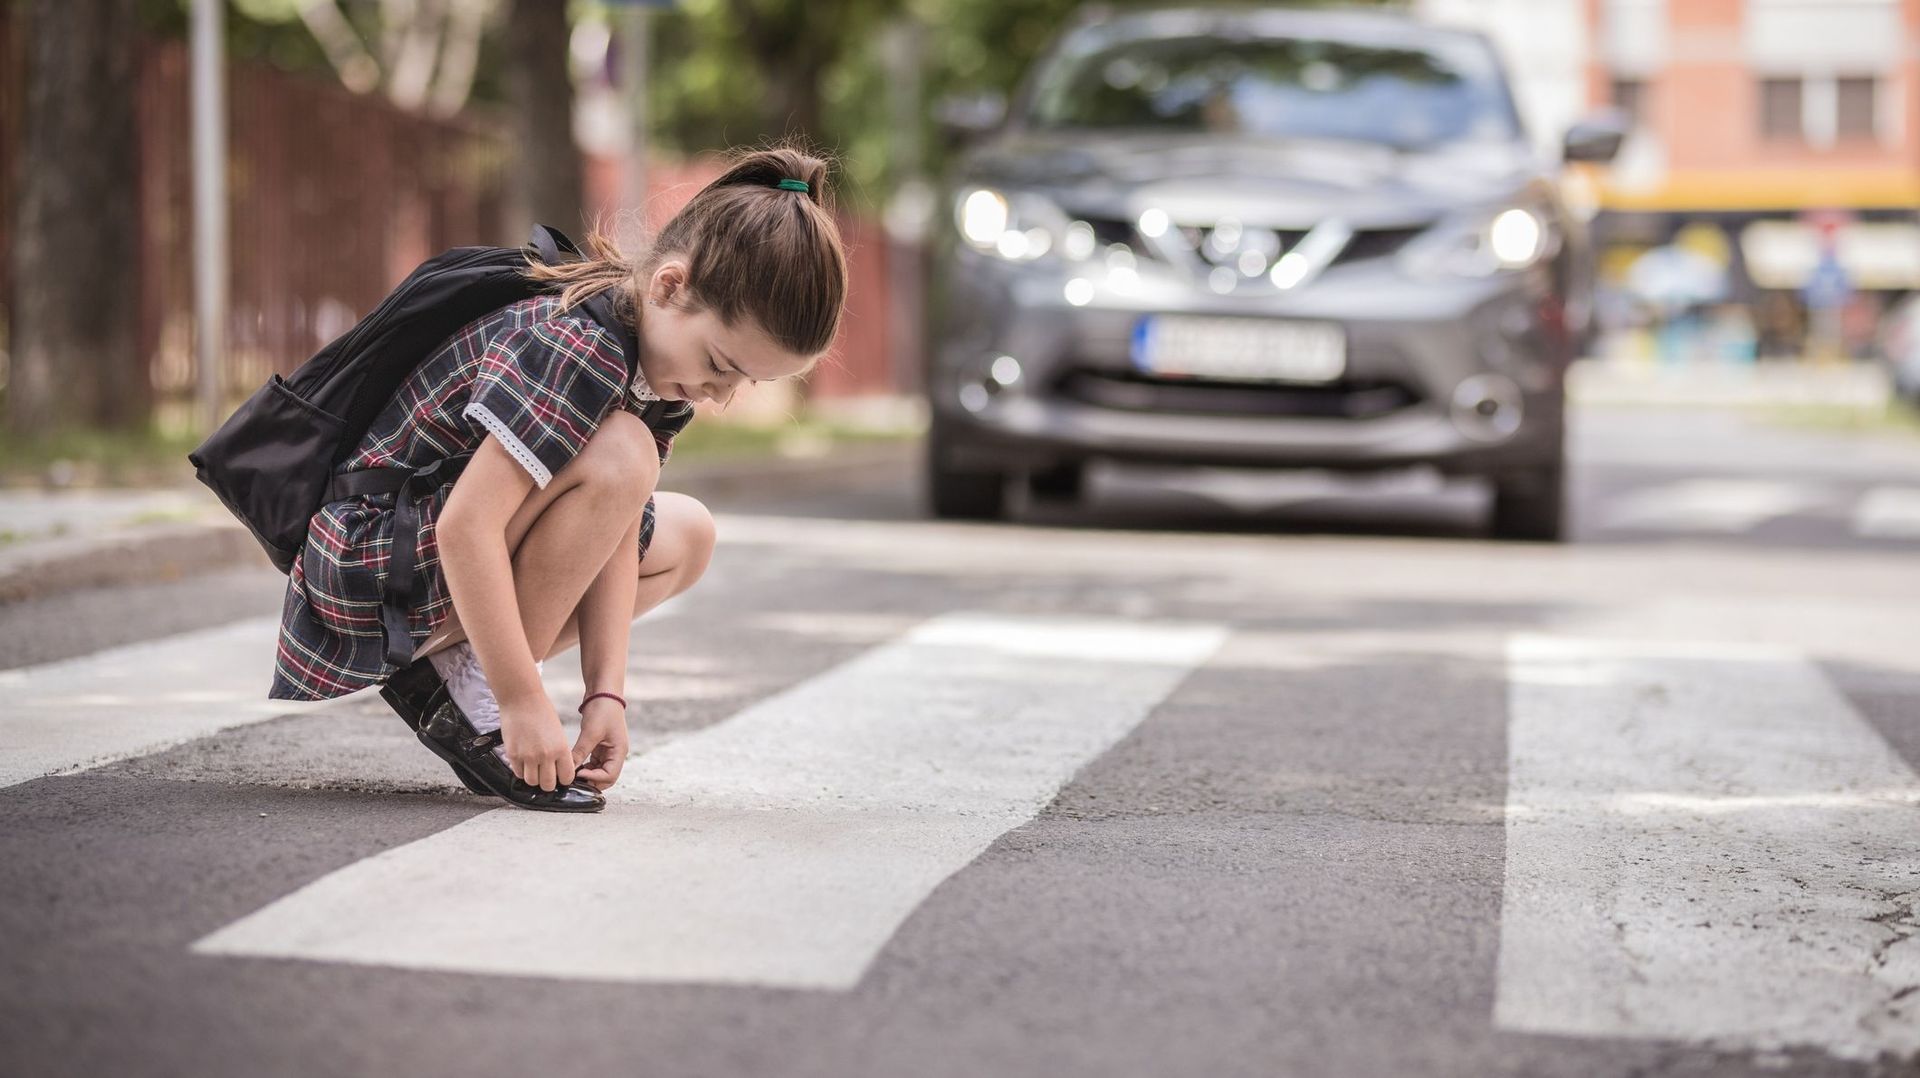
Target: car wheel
(961, 494)
(1531, 506)
(1064, 482)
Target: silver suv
(1260, 238)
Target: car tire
(961, 494)
(1063, 482)
(1531, 506)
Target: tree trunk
(76, 247)
(793, 107)
(547, 174)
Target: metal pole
(209, 203)
(633, 73)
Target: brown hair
(752, 248)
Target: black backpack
(272, 462)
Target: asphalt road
(1215, 774)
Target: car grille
(1131, 391)
(1223, 250)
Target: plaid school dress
(538, 379)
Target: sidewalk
(57, 541)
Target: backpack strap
(553, 245)
(408, 486)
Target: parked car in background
(1263, 238)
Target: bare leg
(560, 536)
(683, 538)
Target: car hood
(1288, 184)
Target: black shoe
(408, 691)
(452, 738)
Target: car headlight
(1016, 226)
(1483, 244)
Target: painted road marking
(1705, 844)
(1888, 513)
(781, 847)
(1710, 505)
(85, 712)
(68, 716)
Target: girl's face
(697, 357)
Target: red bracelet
(608, 695)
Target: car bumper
(1413, 349)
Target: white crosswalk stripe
(782, 846)
(1704, 844)
(1888, 513)
(1709, 505)
(68, 716)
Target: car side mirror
(1596, 138)
(969, 115)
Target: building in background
(1779, 139)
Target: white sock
(459, 667)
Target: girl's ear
(668, 284)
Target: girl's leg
(676, 558)
(560, 536)
(683, 537)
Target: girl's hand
(536, 743)
(601, 751)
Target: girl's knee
(621, 454)
(691, 529)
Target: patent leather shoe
(408, 692)
(445, 730)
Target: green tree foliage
(727, 71)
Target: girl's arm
(472, 535)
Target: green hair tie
(792, 185)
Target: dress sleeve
(542, 389)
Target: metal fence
(334, 198)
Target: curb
(172, 551)
(146, 555)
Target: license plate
(1239, 349)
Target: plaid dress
(538, 379)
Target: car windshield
(1282, 87)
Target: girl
(554, 534)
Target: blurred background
(1759, 212)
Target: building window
(1630, 97)
(1780, 108)
(1855, 101)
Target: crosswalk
(781, 847)
(1725, 506)
(1705, 842)
(67, 716)
(1731, 506)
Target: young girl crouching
(554, 533)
